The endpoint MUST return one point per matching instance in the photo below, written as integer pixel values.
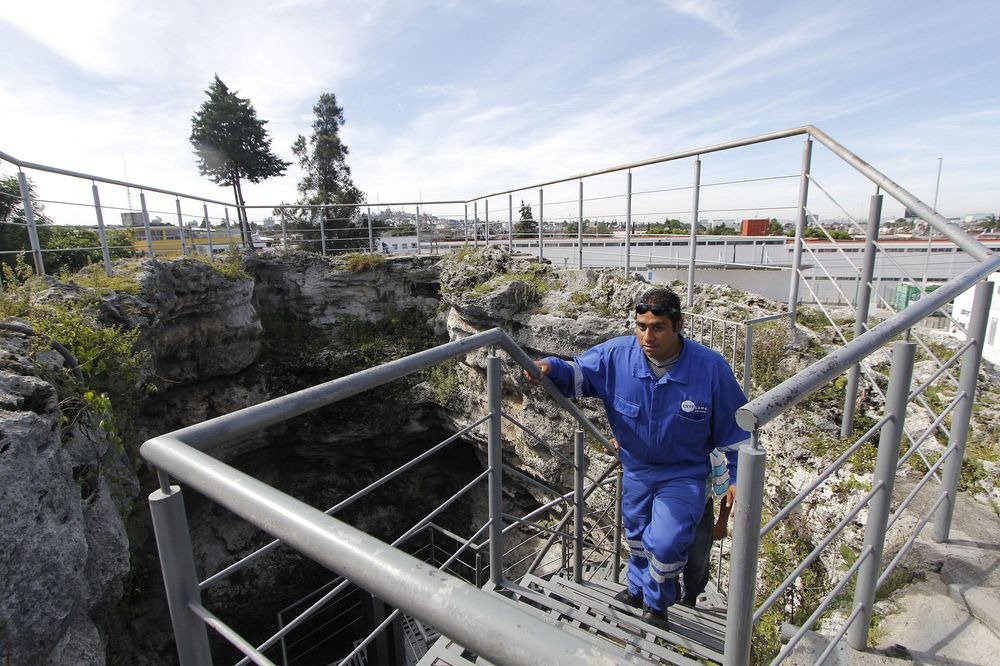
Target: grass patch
(93, 277)
(445, 383)
(770, 343)
(230, 264)
(359, 262)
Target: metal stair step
(705, 625)
(611, 621)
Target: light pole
(930, 229)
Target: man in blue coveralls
(669, 402)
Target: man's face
(656, 335)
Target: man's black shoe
(656, 618)
(629, 599)
(691, 603)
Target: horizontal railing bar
(100, 179)
(830, 469)
(303, 616)
(909, 542)
(454, 537)
(363, 643)
(354, 618)
(336, 580)
(929, 430)
(531, 433)
(514, 520)
(832, 644)
(941, 370)
(811, 557)
(761, 138)
(695, 315)
(227, 632)
(931, 470)
(954, 233)
(761, 320)
(786, 394)
(441, 507)
(866, 552)
(405, 467)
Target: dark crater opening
(322, 474)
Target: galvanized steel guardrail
(454, 607)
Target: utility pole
(930, 229)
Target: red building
(754, 227)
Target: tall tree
(327, 178)
(232, 144)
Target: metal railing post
(747, 357)
(744, 553)
(861, 312)
(284, 231)
(208, 229)
(145, 223)
(101, 233)
(229, 231)
(29, 218)
(418, 229)
(800, 228)
(371, 236)
(180, 227)
(466, 207)
(495, 460)
(486, 229)
(579, 229)
(322, 230)
(962, 414)
(579, 504)
(883, 480)
(541, 223)
(616, 559)
(173, 541)
(693, 239)
(475, 224)
(628, 224)
(510, 222)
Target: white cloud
(716, 13)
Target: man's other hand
(544, 368)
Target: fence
(439, 600)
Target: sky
(446, 99)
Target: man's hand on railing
(614, 442)
(544, 367)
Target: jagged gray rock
(63, 551)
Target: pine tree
(327, 180)
(232, 144)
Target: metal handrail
(392, 575)
(786, 394)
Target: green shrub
(358, 262)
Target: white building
(962, 312)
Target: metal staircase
(588, 610)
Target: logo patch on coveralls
(689, 407)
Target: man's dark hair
(666, 297)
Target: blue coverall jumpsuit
(665, 429)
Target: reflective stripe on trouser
(661, 515)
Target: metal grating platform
(588, 609)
